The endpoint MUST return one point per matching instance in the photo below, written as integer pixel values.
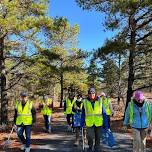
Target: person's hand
(150, 134)
(150, 127)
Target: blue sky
(92, 34)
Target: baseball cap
(23, 94)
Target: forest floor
(62, 141)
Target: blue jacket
(105, 120)
(140, 119)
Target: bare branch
(145, 36)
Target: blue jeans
(20, 132)
(47, 121)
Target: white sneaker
(23, 147)
(27, 149)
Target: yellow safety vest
(106, 104)
(93, 116)
(69, 106)
(148, 112)
(24, 115)
(46, 110)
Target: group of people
(95, 112)
(92, 112)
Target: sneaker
(27, 149)
(23, 147)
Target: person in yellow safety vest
(94, 117)
(25, 116)
(68, 105)
(138, 115)
(46, 107)
(108, 106)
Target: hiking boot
(23, 147)
(27, 149)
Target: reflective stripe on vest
(46, 110)
(148, 112)
(93, 116)
(69, 106)
(106, 104)
(24, 115)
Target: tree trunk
(3, 93)
(61, 83)
(119, 83)
(131, 59)
(130, 79)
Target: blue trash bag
(107, 137)
(77, 119)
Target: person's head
(79, 97)
(102, 95)
(139, 96)
(92, 93)
(23, 96)
(71, 95)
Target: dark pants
(69, 119)
(77, 133)
(20, 132)
(91, 133)
(47, 121)
(108, 119)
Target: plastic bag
(107, 137)
(77, 119)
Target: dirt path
(61, 141)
